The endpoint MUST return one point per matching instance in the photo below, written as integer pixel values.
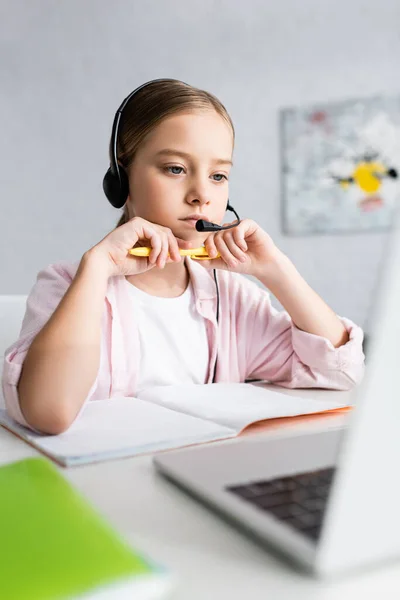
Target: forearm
(63, 359)
(307, 310)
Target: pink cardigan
(253, 339)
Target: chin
(193, 236)
(198, 239)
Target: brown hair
(149, 106)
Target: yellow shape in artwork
(368, 176)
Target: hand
(112, 251)
(244, 249)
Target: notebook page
(235, 405)
(120, 427)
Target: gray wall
(66, 66)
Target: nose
(199, 192)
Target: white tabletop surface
(211, 559)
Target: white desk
(211, 559)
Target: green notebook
(53, 545)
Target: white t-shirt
(173, 339)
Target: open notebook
(166, 417)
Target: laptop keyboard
(298, 500)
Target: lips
(195, 217)
(191, 222)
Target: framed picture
(340, 166)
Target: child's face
(166, 188)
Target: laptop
(328, 500)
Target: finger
(238, 236)
(233, 247)
(155, 242)
(173, 247)
(163, 256)
(225, 252)
(210, 246)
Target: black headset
(116, 185)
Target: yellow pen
(194, 253)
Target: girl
(114, 323)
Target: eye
(220, 175)
(173, 167)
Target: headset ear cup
(116, 188)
